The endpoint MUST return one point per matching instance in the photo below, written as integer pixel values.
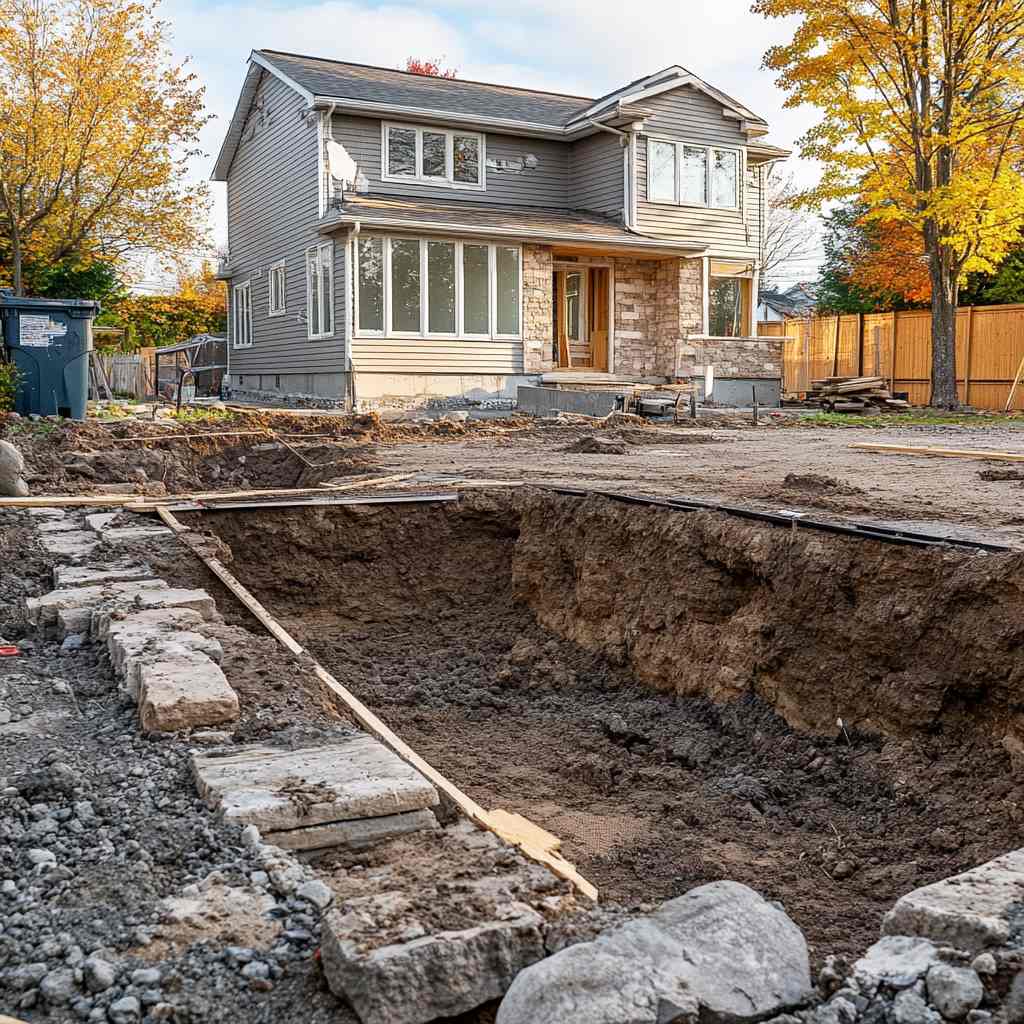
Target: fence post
(835, 349)
(892, 366)
(967, 356)
(860, 344)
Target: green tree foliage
(1006, 285)
(846, 238)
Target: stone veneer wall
(537, 309)
(659, 315)
(738, 357)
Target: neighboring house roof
(794, 301)
(377, 91)
(519, 223)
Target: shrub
(9, 378)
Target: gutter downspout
(626, 140)
(350, 256)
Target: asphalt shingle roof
(526, 222)
(342, 80)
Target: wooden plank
(944, 453)
(1013, 386)
(140, 503)
(369, 721)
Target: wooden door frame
(609, 265)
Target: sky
(563, 45)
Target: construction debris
(939, 453)
(855, 394)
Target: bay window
(437, 288)
(432, 156)
(686, 174)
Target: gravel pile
(111, 870)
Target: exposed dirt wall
(892, 639)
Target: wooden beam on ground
(142, 503)
(534, 841)
(942, 453)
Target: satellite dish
(341, 165)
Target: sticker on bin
(40, 331)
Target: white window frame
(280, 267)
(325, 308)
(419, 178)
(709, 149)
(241, 315)
(460, 332)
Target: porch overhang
(567, 230)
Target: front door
(581, 318)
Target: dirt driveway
(752, 465)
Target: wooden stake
(943, 453)
(1013, 386)
(535, 842)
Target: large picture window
(320, 291)
(690, 175)
(432, 156)
(437, 288)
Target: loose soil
(518, 645)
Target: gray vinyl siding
(544, 185)
(595, 175)
(687, 115)
(272, 215)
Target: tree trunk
(19, 288)
(944, 298)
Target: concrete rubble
(148, 628)
(353, 792)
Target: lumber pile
(854, 394)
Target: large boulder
(12, 470)
(720, 954)
(972, 911)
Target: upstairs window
(685, 174)
(433, 156)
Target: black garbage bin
(49, 341)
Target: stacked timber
(854, 394)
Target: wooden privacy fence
(128, 374)
(897, 346)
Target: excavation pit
(682, 697)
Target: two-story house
(394, 237)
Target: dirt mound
(818, 483)
(1001, 474)
(229, 450)
(591, 445)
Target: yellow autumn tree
(921, 114)
(97, 125)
